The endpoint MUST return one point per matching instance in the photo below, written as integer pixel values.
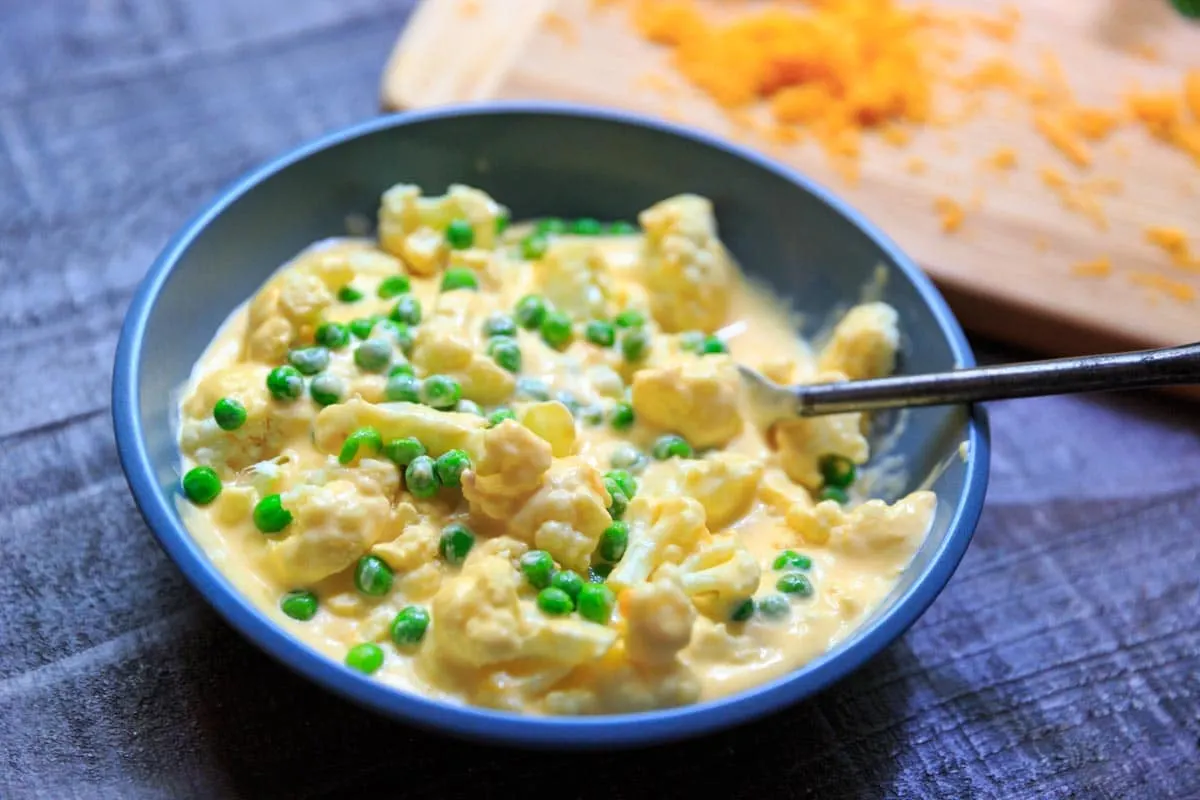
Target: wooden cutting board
(1008, 270)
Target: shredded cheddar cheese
(951, 213)
(1173, 242)
(1097, 268)
(1177, 290)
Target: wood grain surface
(1008, 270)
(1063, 660)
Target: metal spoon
(770, 402)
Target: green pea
(373, 355)
(409, 626)
(1188, 8)
(326, 389)
(403, 368)
(309, 360)
(533, 247)
(348, 294)
(614, 540)
(838, 471)
(569, 581)
(598, 573)
(550, 225)
(626, 482)
(333, 335)
(201, 485)
(401, 335)
(440, 391)
(712, 346)
(366, 657)
(530, 311)
(532, 389)
(459, 278)
(790, 559)
(499, 415)
(505, 351)
(270, 516)
(556, 329)
(450, 466)
(421, 478)
(555, 602)
(586, 226)
(630, 318)
(393, 286)
(622, 416)
(503, 220)
(404, 451)
(456, 542)
(600, 332)
(372, 576)
(299, 605)
(466, 406)
(634, 343)
(691, 341)
(499, 325)
(596, 602)
(406, 310)
(285, 383)
(229, 413)
(621, 228)
(570, 401)
(618, 500)
(671, 446)
(774, 606)
(627, 457)
(402, 389)
(835, 494)
(366, 439)
(362, 327)
(796, 583)
(742, 611)
(538, 568)
(460, 235)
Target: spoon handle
(1118, 371)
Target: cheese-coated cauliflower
(864, 343)
(872, 527)
(508, 471)
(413, 227)
(439, 431)
(720, 574)
(268, 424)
(656, 524)
(658, 621)
(573, 277)
(371, 476)
(287, 309)
(416, 546)
(551, 421)
(688, 274)
(697, 397)
(780, 493)
(446, 344)
(724, 483)
(567, 514)
(803, 442)
(332, 525)
(617, 685)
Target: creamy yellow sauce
(724, 515)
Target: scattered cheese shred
(1173, 242)
(915, 165)
(1191, 93)
(561, 26)
(1059, 133)
(951, 213)
(1183, 292)
(1004, 158)
(1098, 268)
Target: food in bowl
(511, 465)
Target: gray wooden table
(1062, 661)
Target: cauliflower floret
(510, 469)
(687, 273)
(724, 483)
(287, 309)
(481, 621)
(656, 524)
(267, 427)
(413, 227)
(720, 574)
(446, 345)
(779, 493)
(552, 421)
(617, 685)
(439, 431)
(802, 443)
(573, 277)
(332, 526)
(416, 546)
(871, 528)
(566, 516)
(864, 343)
(372, 476)
(696, 397)
(503, 546)
(658, 621)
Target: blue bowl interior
(541, 160)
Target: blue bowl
(542, 159)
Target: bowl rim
(618, 730)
